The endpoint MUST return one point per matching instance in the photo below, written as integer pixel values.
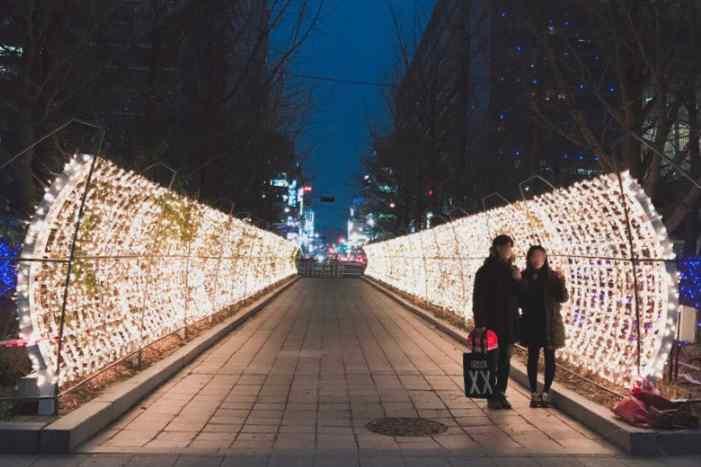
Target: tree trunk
(686, 209)
(630, 151)
(22, 167)
(691, 99)
(684, 206)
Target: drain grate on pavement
(405, 426)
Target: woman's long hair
(546, 266)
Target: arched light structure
(585, 230)
(147, 261)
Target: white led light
(178, 261)
(583, 227)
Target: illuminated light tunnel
(585, 231)
(147, 261)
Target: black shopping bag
(479, 368)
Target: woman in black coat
(542, 327)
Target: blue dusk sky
(355, 40)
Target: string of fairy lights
(584, 229)
(147, 262)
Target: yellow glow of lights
(147, 262)
(584, 230)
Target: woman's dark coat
(495, 300)
(555, 294)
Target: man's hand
(516, 274)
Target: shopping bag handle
(484, 347)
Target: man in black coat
(495, 307)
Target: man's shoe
(536, 400)
(505, 404)
(545, 400)
(494, 403)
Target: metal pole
(537, 177)
(157, 258)
(50, 134)
(634, 263)
(174, 173)
(143, 312)
(425, 261)
(457, 255)
(493, 195)
(70, 268)
(235, 258)
(245, 282)
(633, 258)
(216, 273)
(11, 160)
(187, 274)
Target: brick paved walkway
(296, 385)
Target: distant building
(518, 76)
(360, 224)
(142, 43)
(292, 199)
(478, 69)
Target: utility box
(686, 325)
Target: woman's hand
(559, 276)
(516, 273)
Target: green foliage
(84, 269)
(177, 218)
(14, 364)
(6, 409)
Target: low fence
(329, 268)
(606, 238)
(112, 262)
(313, 268)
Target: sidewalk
(296, 385)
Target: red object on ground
(642, 387)
(18, 343)
(645, 405)
(490, 339)
(633, 411)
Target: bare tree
(49, 62)
(638, 64)
(254, 63)
(188, 83)
(426, 157)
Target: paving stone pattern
(296, 385)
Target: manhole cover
(406, 426)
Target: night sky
(355, 40)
